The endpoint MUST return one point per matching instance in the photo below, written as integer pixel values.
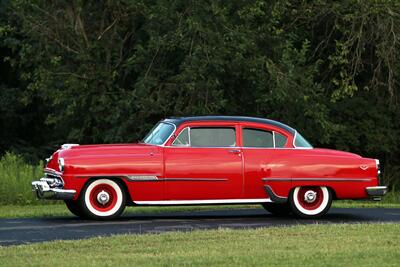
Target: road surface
(30, 230)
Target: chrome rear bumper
(376, 192)
(43, 190)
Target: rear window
(262, 138)
(257, 138)
(300, 141)
(212, 137)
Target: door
(264, 153)
(204, 163)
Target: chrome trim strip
(141, 177)
(316, 179)
(206, 201)
(50, 170)
(154, 178)
(119, 175)
(273, 138)
(294, 138)
(181, 180)
(195, 179)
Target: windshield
(159, 134)
(300, 141)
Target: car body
(208, 160)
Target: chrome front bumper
(376, 192)
(43, 190)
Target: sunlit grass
(312, 245)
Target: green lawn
(53, 210)
(312, 245)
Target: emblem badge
(363, 167)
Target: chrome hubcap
(310, 196)
(103, 197)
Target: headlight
(61, 164)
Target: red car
(208, 160)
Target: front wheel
(102, 199)
(310, 201)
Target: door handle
(235, 151)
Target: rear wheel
(74, 207)
(310, 201)
(279, 209)
(102, 199)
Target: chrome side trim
(118, 175)
(195, 179)
(316, 179)
(154, 178)
(141, 178)
(203, 202)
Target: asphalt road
(21, 231)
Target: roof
(179, 120)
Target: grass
(313, 245)
(15, 180)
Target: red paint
(231, 174)
(98, 189)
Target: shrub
(15, 179)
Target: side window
(257, 138)
(182, 139)
(212, 137)
(262, 138)
(280, 140)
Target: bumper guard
(43, 190)
(376, 192)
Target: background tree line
(106, 71)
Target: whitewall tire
(310, 201)
(102, 199)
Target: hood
(104, 150)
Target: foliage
(16, 176)
(106, 71)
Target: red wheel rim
(310, 204)
(112, 197)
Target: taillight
(378, 170)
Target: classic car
(208, 160)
